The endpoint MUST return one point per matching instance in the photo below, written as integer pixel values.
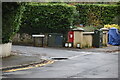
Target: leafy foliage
(11, 19)
(46, 18)
(97, 14)
(90, 28)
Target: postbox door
(70, 36)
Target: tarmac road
(80, 64)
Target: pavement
(17, 61)
(19, 58)
(109, 48)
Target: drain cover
(59, 58)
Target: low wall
(5, 49)
(26, 39)
(22, 39)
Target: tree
(11, 19)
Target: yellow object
(38, 65)
(112, 25)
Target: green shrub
(97, 14)
(11, 19)
(118, 17)
(89, 28)
(46, 18)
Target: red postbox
(71, 36)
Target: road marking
(12, 70)
(29, 67)
(82, 54)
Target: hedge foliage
(97, 14)
(11, 19)
(50, 17)
(46, 18)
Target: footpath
(107, 49)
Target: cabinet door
(59, 40)
(51, 40)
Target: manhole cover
(59, 58)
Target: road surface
(79, 64)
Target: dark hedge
(97, 14)
(47, 18)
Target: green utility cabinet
(55, 40)
(98, 38)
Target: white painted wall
(5, 49)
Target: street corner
(17, 62)
(27, 66)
